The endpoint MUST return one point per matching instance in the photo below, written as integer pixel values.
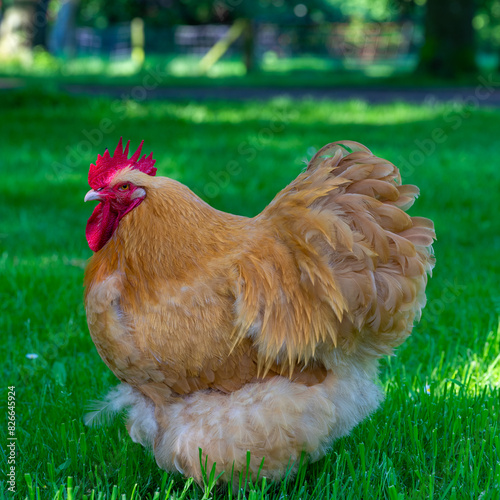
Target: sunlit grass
(436, 435)
(271, 70)
(186, 65)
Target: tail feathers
(363, 261)
(375, 188)
(338, 150)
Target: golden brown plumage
(234, 333)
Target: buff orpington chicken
(235, 334)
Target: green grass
(308, 71)
(436, 435)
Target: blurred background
(269, 42)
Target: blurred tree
(449, 46)
(364, 10)
(487, 25)
(23, 26)
(100, 13)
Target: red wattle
(100, 226)
(103, 223)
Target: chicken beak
(92, 195)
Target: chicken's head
(117, 195)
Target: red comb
(107, 165)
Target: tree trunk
(449, 47)
(23, 26)
(249, 46)
(62, 36)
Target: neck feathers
(168, 236)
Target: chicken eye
(124, 187)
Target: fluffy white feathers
(277, 420)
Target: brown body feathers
(208, 317)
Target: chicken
(235, 334)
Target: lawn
(183, 71)
(436, 435)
